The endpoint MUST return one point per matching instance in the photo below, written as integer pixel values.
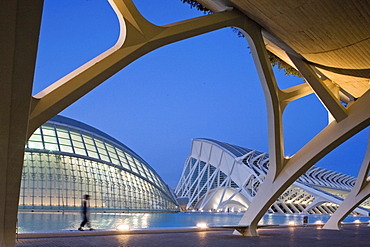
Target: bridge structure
(326, 41)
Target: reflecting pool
(56, 221)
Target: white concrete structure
(329, 48)
(221, 177)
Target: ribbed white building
(221, 177)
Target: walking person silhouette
(85, 213)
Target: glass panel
(152, 178)
(148, 175)
(80, 151)
(50, 140)
(51, 146)
(78, 143)
(132, 164)
(35, 144)
(67, 149)
(65, 144)
(123, 159)
(102, 151)
(112, 153)
(88, 140)
(36, 135)
(48, 131)
(63, 141)
(90, 145)
(63, 134)
(138, 165)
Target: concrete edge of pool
(100, 232)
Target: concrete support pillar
(284, 171)
(359, 193)
(21, 113)
(19, 32)
(329, 138)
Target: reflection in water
(56, 221)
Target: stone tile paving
(350, 235)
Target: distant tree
(198, 6)
(274, 60)
(281, 65)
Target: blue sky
(203, 87)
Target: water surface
(56, 221)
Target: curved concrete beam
(326, 95)
(359, 193)
(283, 172)
(137, 38)
(324, 142)
(22, 113)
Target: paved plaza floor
(350, 235)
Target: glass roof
(65, 135)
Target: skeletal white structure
(221, 177)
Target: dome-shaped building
(65, 159)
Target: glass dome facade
(65, 159)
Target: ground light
(318, 222)
(123, 227)
(291, 223)
(202, 225)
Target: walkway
(351, 235)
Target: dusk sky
(203, 87)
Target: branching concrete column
(326, 95)
(253, 34)
(137, 38)
(21, 114)
(284, 171)
(359, 193)
(19, 32)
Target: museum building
(66, 159)
(218, 176)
